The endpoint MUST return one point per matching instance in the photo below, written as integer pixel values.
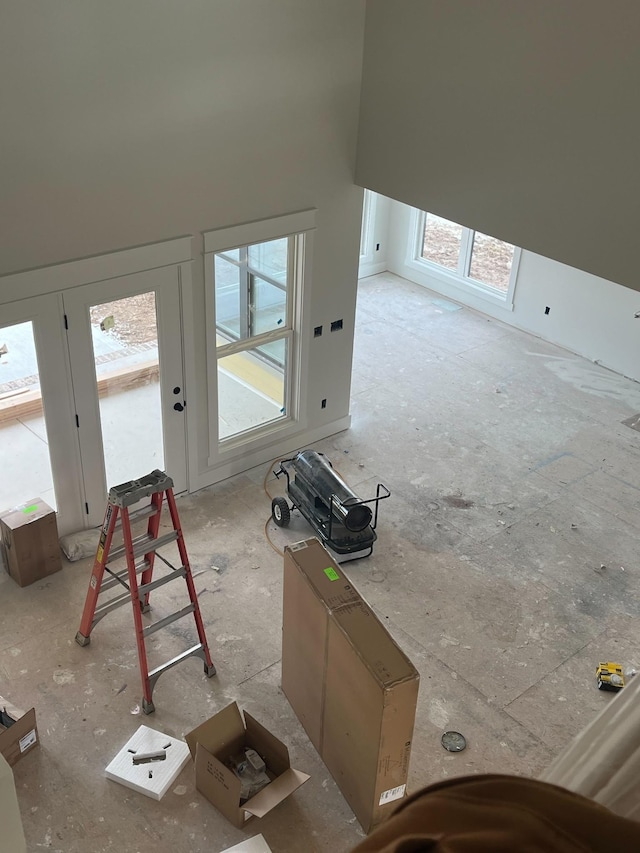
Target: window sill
(464, 286)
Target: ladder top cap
(132, 491)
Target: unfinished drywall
(513, 118)
(126, 124)
(587, 315)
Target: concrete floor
(506, 567)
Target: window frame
(460, 278)
(299, 229)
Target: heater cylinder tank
(322, 480)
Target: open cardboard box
(223, 735)
(18, 731)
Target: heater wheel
(280, 511)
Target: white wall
(126, 123)
(588, 315)
(517, 119)
(375, 232)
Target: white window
(253, 317)
(466, 257)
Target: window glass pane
(441, 244)
(251, 391)
(268, 306)
(270, 259)
(491, 261)
(231, 254)
(275, 352)
(227, 282)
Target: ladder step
(195, 651)
(123, 575)
(137, 515)
(144, 588)
(108, 606)
(144, 545)
(173, 617)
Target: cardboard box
(351, 686)
(18, 731)
(213, 743)
(29, 534)
(12, 835)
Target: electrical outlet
(323, 404)
(336, 325)
(547, 310)
(317, 331)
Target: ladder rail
(136, 605)
(97, 572)
(182, 550)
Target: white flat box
(257, 844)
(163, 773)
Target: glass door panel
(25, 464)
(124, 334)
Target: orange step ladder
(140, 554)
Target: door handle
(178, 407)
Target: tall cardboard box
(11, 833)
(351, 686)
(29, 534)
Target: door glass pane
(268, 306)
(441, 243)
(24, 446)
(270, 259)
(227, 289)
(251, 391)
(491, 261)
(125, 346)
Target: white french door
(39, 453)
(125, 355)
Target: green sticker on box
(332, 574)
(32, 508)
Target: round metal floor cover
(453, 741)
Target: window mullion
(466, 248)
(245, 294)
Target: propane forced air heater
(342, 520)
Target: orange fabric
(501, 814)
